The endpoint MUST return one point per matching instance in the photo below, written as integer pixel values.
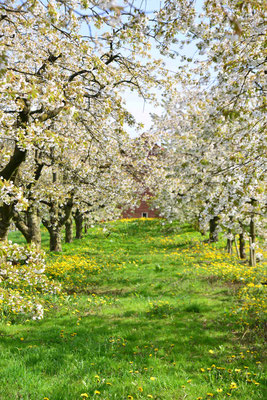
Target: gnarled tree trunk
(58, 218)
(78, 218)
(242, 244)
(252, 242)
(230, 246)
(68, 231)
(30, 226)
(10, 171)
(213, 237)
(5, 221)
(54, 227)
(55, 239)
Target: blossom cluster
(9, 193)
(23, 280)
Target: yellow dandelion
(152, 378)
(97, 392)
(140, 389)
(84, 395)
(233, 385)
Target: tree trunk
(236, 248)
(230, 246)
(54, 234)
(85, 226)
(252, 242)
(68, 231)
(242, 243)
(213, 237)
(5, 221)
(78, 218)
(57, 219)
(54, 227)
(30, 226)
(34, 222)
(55, 239)
(10, 171)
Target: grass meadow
(147, 311)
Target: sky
(142, 110)
(135, 104)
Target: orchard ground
(148, 311)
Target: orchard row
(64, 148)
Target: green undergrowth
(147, 310)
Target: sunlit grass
(147, 311)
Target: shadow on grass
(104, 345)
(65, 355)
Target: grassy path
(148, 313)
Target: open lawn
(147, 311)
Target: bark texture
(213, 237)
(252, 242)
(68, 231)
(230, 246)
(5, 220)
(29, 226)
(242, 243)
(55, 240)
(78, 218)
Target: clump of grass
(159, 308)
(193, 308)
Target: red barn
(144, 210)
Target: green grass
(138, 318)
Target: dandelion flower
(233, 385)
